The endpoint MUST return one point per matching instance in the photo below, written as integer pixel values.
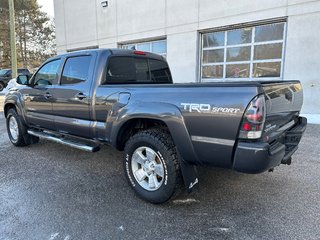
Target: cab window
(160, 72)
(76, 70)
(47, 75)
(135, 70)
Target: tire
(155, 174)
(17, 131)
(1, 86)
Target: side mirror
(23, 79)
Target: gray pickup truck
(127, 99)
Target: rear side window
(126, 70)
(76, 70)
(160, 72)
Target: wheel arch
(14, 101)
(7, 107)
(134, 125)
(163, 115)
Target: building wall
(83, 23)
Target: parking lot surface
(50, 191)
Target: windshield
(3, 72)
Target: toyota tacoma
(127, 99)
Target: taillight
(253, 119)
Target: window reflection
(251, 52)
(239, 36)
(158, 47)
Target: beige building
(206, 40)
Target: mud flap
(189, 174)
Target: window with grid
(245, 53)
(158, 47)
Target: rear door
(72, 97)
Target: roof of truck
(113, 51)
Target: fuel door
(123, 100)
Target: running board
(82, 145)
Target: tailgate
(283, 104)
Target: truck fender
(172, 117)
(16, 101)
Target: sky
(47, 6)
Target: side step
(75, 143)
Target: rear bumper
(257, 157)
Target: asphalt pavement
(50, 191)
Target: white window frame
(252, 44)
(136, 43)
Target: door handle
(47, 95)
(80, 96)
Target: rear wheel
(151, 165)
(17, 131)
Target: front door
(38, 96)
(72, 97)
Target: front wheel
(17, 131)
(151, 165)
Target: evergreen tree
(35, 34)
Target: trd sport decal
(207, 108)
